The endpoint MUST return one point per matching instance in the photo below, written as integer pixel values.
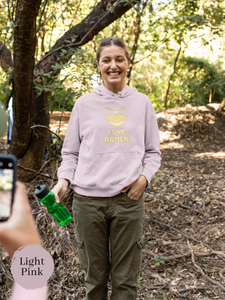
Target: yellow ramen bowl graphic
(115, 119)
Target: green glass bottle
(57, 210)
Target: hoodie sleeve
(151, 160)
(71, 146)
(20, 293)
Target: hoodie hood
(103, 91)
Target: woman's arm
(70, 154)
(151, 160)
(71, 146)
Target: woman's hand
(136, 188)
(60, 188)
(19, 230)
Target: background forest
(48, 59)
(177, 50)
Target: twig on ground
(187, 254)
(157, 286)
(194, 288)
(221, 275)
(202, 272)
(189, 237)
(185, 207)
(6, 271)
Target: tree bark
(171, 77)
(6, 62)
(102, 15)
(29, 145)
(24, 49)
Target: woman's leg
(126, 243)
(92, 240)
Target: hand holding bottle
(60, 188)
(56, 209)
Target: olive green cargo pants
(117, 219)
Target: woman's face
(113, 66)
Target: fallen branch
(37, 172)
(157, 286)
(42, 126)
(187, 254)
(36, 176)
(214, 282)
(189, 237)
(46, 163)
(185, 207)
(194, 288)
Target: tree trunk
(6, 62)
(24, 49)
(171, 77)
(210, 95)
(29, 145)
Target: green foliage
(164, 26)
(5, 87)
(185, 249)
(144, 245)
(65, 87)
(159, 260)
(196, 80)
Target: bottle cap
(41, 191)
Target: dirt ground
(184, 233)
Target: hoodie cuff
(146, 179)
(63, 175)
(148, 176)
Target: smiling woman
(110, 154)
(113, 62)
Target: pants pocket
(137, 256)
(81, 253)
(134, 199)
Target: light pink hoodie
(111, 140)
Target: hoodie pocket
(108, 169)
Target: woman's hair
(109, 41)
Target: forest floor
(184, 233)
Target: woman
(110, 154)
